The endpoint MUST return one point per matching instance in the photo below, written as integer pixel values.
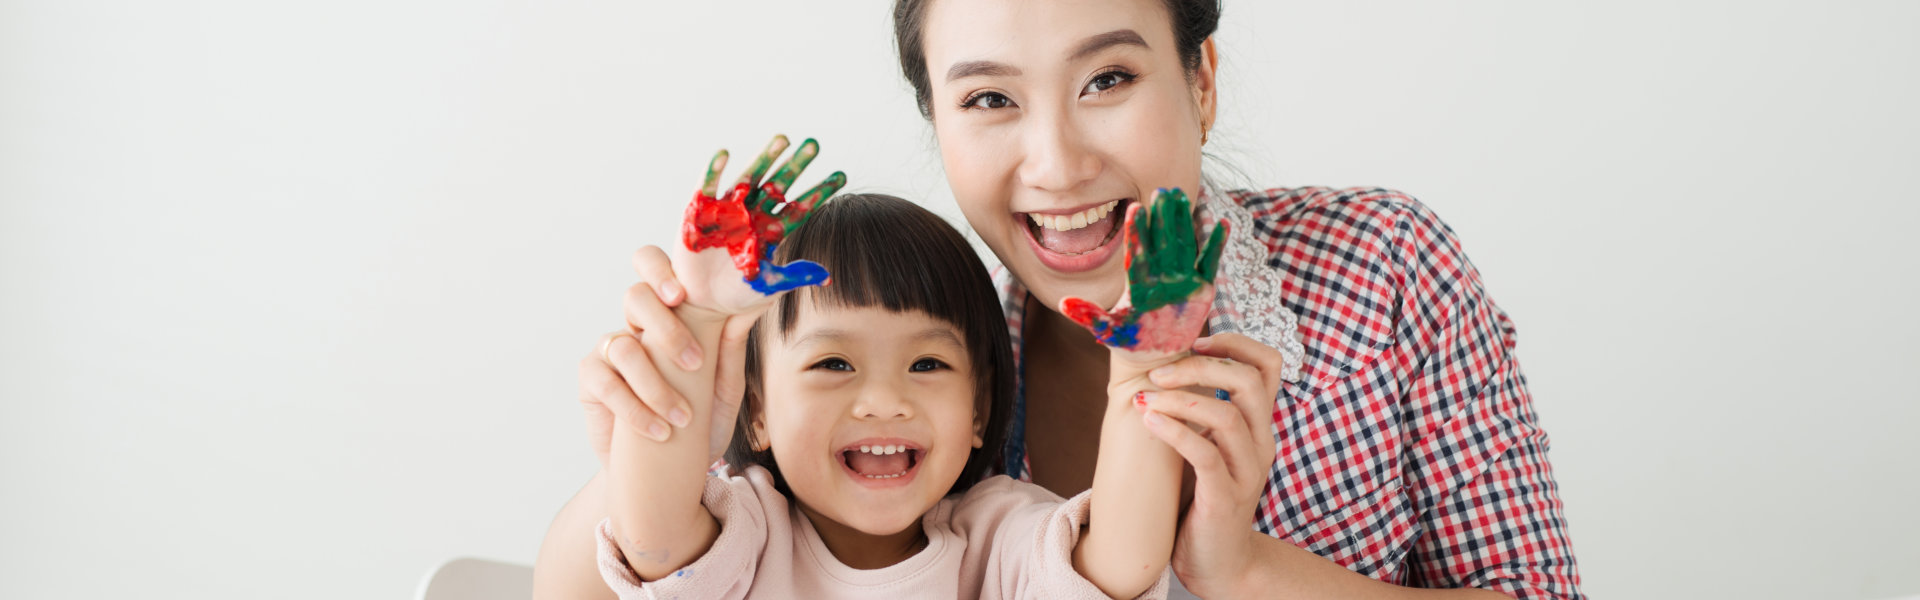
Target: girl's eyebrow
(939, 334)
(825, 336)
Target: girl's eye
(927, 364)
(1107, 81)
(987, 100)
(833, 364)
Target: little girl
(873, 405)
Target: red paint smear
(1083, 312)
(735, 223)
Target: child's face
(847, 378)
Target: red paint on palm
(732, 224)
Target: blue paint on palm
(774, 279)
(1122, 335)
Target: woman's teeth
(1073, 221)
(883, 450)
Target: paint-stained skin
(755, 217)
(1169, 280)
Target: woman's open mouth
(1076, 241)
(882, 465)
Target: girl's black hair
(1193, 22)
(886, 252)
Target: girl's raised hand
(1169, 283)
(748, 223)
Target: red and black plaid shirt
(1408, 450)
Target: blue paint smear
(774, 279)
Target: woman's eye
(927, 364)
(987, 100)
(1106, 81)
(833, 364)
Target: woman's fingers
(630, 359)
(1243, 349)
(1220, 422)
(1210, 468)
(1238, 379)
(1246, 353)
(602, 386)
(662, 329)
(656, 269)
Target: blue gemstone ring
(1222, 394)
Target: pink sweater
(1002, 539)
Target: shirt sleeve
(1475, 462)
(728, 567)
(1033, 534)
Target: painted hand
(1169, 282)
(748, 223)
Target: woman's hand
(1231, 447)
(618, 378)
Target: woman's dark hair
(886, 252)
(1193, 21)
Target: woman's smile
(1075, 240)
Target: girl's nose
(882, 400)
(1056, 157)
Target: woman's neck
(1065, 342)
(862, 550)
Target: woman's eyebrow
(1117, 37)
(1093, 45)
(978, 68)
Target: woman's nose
(1056, 157)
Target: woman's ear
(1205, 86)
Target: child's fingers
(1219, 422)
(602, 386)
(646, 314)
(751, 178)
(790, 170)
(630, 359)
(712, 183)
(798, 210)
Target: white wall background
(291, 293)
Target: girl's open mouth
(887, 464)
(1076, 241)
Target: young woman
(1408, 456)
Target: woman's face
(1052, 118)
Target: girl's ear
(758, 438)
(979, 428)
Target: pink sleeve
(728, 567)
(1027, 535)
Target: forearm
(1136, 499)
(1288, 571)
(654, 493)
